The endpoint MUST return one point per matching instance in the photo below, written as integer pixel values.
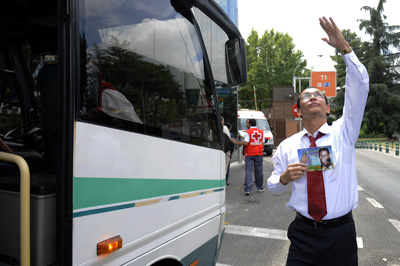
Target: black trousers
(335, 246)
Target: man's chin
(314, 113)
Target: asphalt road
(256, 225)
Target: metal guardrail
(25, 204)
(376, 145)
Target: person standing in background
(227, 142)
(253, 150)
(229, 126)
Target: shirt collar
(326, 129)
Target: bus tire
(167, 262)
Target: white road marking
(360, 188)
(256, 232)
(266, 233)
(219, 264)
(375, 203)
(360, 243)
(395, 223)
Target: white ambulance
(262, 123)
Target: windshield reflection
(261, 124)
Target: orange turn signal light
(109, 245)
(195, 263)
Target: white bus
(110, 132)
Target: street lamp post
(294, 78)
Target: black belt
(325, 224)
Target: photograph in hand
(317, 158)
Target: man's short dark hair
(252, 122)
(298, 99)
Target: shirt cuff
(275, 185)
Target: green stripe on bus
(91, 192)
(139, 204)
(103, 210)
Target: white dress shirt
(226, 131)
(341, 189)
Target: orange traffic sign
(325, 82)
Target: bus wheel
(167, 262)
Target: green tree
(382, 111)
(380, 58)
(271, 61)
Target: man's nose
(312, 98)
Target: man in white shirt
(332, 240)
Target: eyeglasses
(317, 94)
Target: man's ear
(298, 112)
(328, 109)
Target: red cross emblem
(256, 136)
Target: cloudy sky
(299, 19)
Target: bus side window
(153, 65)
(49, 98)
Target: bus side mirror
(235, 59)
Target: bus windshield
(143, 71)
